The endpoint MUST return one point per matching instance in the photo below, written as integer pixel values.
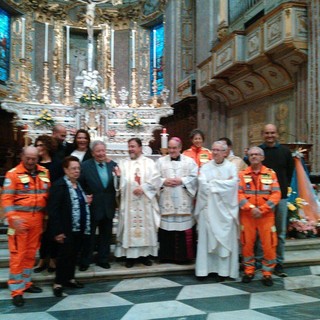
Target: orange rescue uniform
(199, 155)
(24, 198)
(260, 190)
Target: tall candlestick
(68, 45)
(46, 42)
(23, 37)
(164, 138)
(154, 48)
(133, 48)
(112, 48)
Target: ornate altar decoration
(93, 103)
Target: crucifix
(90, 14)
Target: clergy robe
(176, 236)
(139, 216)
(217, 215)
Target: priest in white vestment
(179, 174)
(139, 216)
(217, 216)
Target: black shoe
(83, 268)
(146, 261)
(33, 289)
(57, 291)
(129, 263)
(104, 265)
(247, 278)
(267, 281)
(201, 278)
(52, 269)
(40, 269)
(278, 271)
(74, 284)
(18, 300)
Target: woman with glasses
(69, 216)
(47, 147)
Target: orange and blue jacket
(25, 193)
(260, 190)
(199, 155)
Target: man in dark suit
(97, 179)
(59, 132)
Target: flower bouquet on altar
(45, 119)
(134, 122)
(90, 99)
(300, 227)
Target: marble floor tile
(220, 304)
(240, 315)
(301, 282)
(278, 298)
(31, 305)
(257, 286)
(207, 290)
(86, 301)
(312, 292)
(28, 316)
(303, 311)
(315, 269)
(109, 313)
(298, 271)
(144, 283)
(149, 295)
(160, 310)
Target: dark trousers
(67, 256)
(103, 241)
(48, 248)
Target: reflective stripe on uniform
(271, 204)
(28, 209)
(38, 191)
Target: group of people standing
(182, 207)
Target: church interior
(226, 67)
(155, 69)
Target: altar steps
(302, 252)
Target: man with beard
(139, 216)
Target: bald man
(24, 199)
(278, 158)
(59, 132)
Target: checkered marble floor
(177, 297)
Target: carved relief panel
(256, 120)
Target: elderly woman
(69, 221)
(197, 152)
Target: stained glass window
(4, 45)
(157, 44)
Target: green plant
(134, 122)
(91, 99)
(45, 119)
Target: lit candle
(164, 138)
(154, 49)
(112, 48)
(133, 49)
(23, 36)
(46, 42)
(68, 45)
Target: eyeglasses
(218, 150)
(39, 145)
(254, 154)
